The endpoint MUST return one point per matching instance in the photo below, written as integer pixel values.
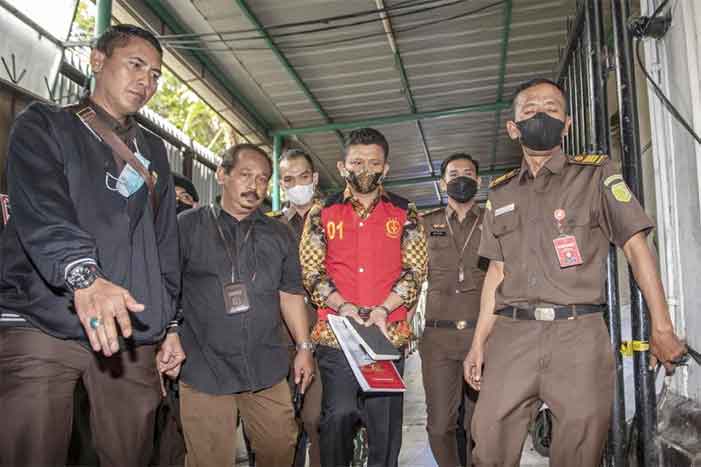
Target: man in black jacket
(89, 270)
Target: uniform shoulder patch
(429, 212)
(504, 178)
(588, 159)
(273, 213)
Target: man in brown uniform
(547, 230)
(299, 180)
(454, 285)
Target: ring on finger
(95, 322)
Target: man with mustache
(363, 254)
(240, 275)
(90, 272)
(455, 277)
(541, 333)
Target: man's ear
(442, 185)
(568, 125)
(220, 175)
(315, 179)
(341, 166)
(512, 130)
(385, 170)
(479, 182)
(97, 60)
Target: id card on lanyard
(235, 292)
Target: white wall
(674, 62)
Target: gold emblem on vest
(392, 227)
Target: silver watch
(82, 276)
(306, 345)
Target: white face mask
(300, 195)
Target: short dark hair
(458, 156)
(230, 156)
(295, 153)
(535, 82)
(186, 184)
(120, 34)
(366, 136)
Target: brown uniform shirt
(448, 298)
(595, 206)
(294, 221)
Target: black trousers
(345, 407)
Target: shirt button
(361, 224)
(361, 269)
(457, 291)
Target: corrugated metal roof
(452, 58)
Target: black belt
(549, 313)
(459, 325)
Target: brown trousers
(38, 375)
(209, 426)
(442, 354)
(310, 415)
(569, 365)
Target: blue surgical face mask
(129, 181)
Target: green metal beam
(277, 149)
(436, 177)
(103, 17)
(392, 119)
(174, 25)
(505, 33)
(243, 5)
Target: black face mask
(541, 132)
(365, 182)
(462, 189)
(180, 207)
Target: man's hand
(106, 305)
(304, 369)
(170, 356)
(348, 310)
(666, 348)
(378, 317)
(472, 367)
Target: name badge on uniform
(568, 253)
(236, 298)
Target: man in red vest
(363, 255)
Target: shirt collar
(348, 194)
(474, 211)
(256, 215)
(554, 165)
(123, 131)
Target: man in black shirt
(240, 273)
(89, 260)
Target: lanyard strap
(234, 260)
(461, 251)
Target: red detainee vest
(364, 257)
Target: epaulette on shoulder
(274, 214)
(588, 159)
(507, 176)
(429, 212)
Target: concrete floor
(415, 449)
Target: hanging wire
(377, 19)
(325, 20)
(344, 40)
(658, 91)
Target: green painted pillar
(277, 149)
(103, 19)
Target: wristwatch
(306, 345)
(82, 276)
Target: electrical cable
(349, 39)
(328, 19)
(377, 19)
(640, 33)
